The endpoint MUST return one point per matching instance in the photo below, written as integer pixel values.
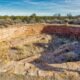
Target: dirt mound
(27, 30)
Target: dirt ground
(26, 53)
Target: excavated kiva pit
(40, 50)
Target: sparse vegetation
(57, 18)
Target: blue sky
(40, 7)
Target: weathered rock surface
(29, 52)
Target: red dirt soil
(28, 30)
(66, 30)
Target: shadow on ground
(59, 50)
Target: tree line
(36, 19)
